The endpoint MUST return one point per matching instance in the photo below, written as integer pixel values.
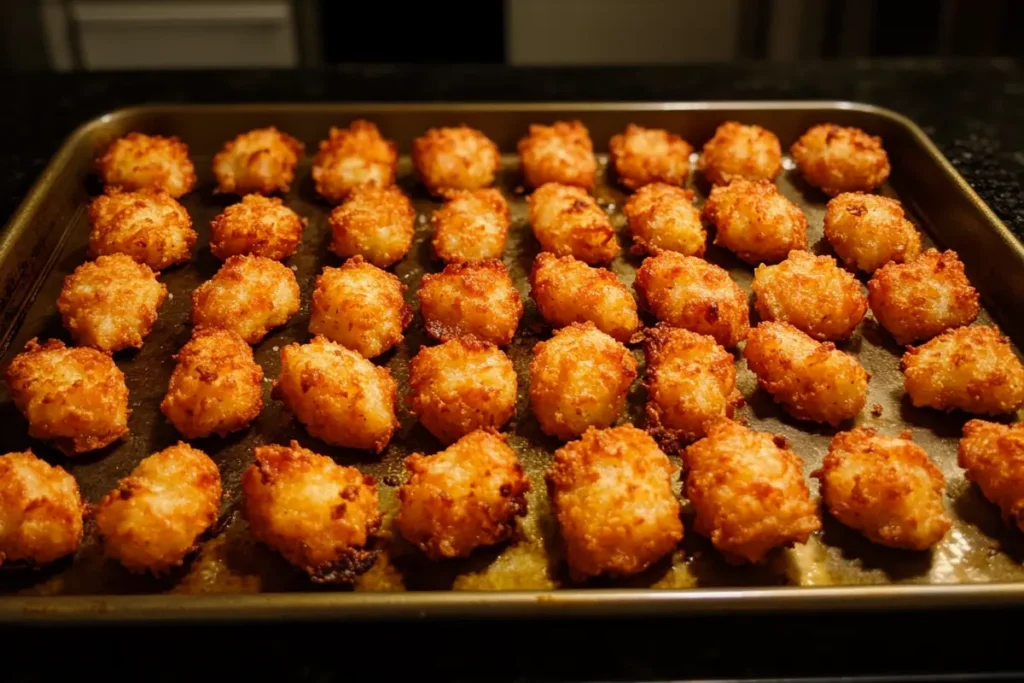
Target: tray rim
(559, 603)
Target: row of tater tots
(611, 488)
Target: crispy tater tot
(688, 292)
(111, 303)
(837, 159)
(569, 291)
(568, 222)
(249, 295)
(560, 153)
(462, 385)
(471, 299)
(359, 306)
(352, 157)
(993, 455)
(923, 297)
(40, 511)
(612, 495)
(578, 379)
(75, 398)
(739, 151)
(811, 293)
(148, 162)
(341, 398)
(812, 380)
(868, 231)
(691, 381)
(375, 223)
(472, 225)
(973, 369)
(754, 221)
(649, 155)
(748, 492)
(884, 487)
(148, 225)
(258, 225)
(216, 387)
(154, 517)
(662, 217)
(456, 158)
(468, 495)
(318, 514)
(262, 161)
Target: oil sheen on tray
(979, 547)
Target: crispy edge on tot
(993, 456)
(748, 492)
(612, 496)
(464, 497)
(884, 487)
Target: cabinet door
(185, 34)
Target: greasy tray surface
(47, 241)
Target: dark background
(69, 35)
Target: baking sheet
(979, 547)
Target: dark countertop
(972, 111)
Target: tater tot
(662, 217)
(568, 222)
(359, 306)
(868, 231)
(154, 517)
(40, 511)
(249, 295)
(468, 495)
(261, 161)
(737, 151)
(257, 225)
(973, 369)
(375, 223)
(472, 225)
(460, 386)
(748, 492)
(612, 495)
(560, 153)
(318, 514)
(352, 157)
(812, 380)
(754, 221)
(688, 292)
(148, 225)
(811, 293)
(569, 291)
(148, 162)
(923, 297)
(691, 381)
(111, 303)
(471, 300)
(455, 158)
(75, 398)
(341, 398)
(578, 379)
(216, 387)
(649, 155)
(837, 159)
(884, 487)
(993, 456)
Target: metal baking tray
(232, 577)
